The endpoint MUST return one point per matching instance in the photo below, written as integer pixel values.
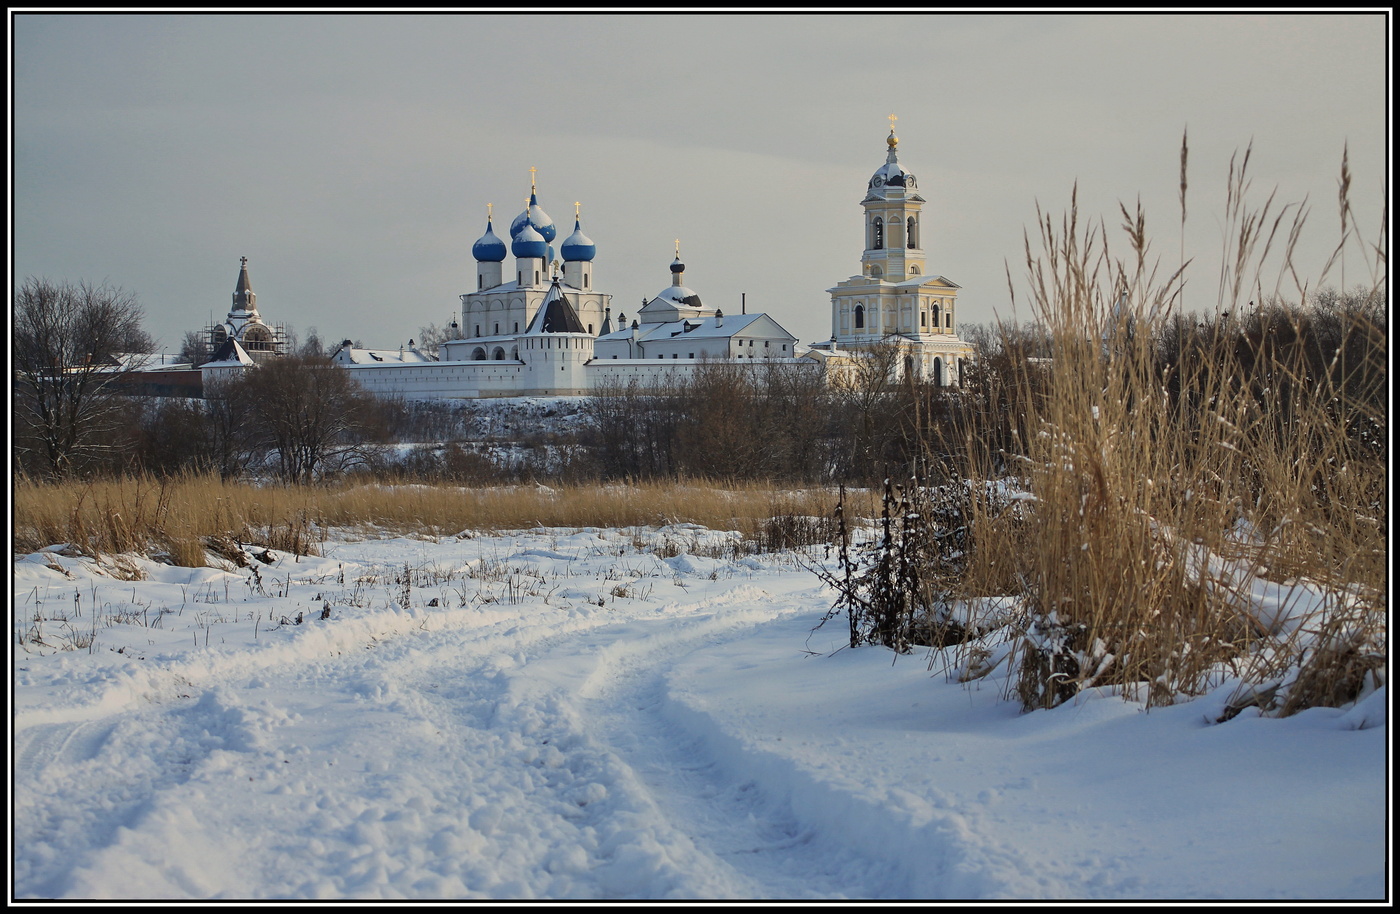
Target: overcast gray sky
(351, 157)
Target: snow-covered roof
(913, 282)
(709, 327)
(555, 314)
(512, 286)
(379, 356)
(229, 355)
(680, 296)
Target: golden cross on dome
(678, 248)
(893, 118)
(575, 209)
(488, 211)
(532, 178)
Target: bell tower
(893, 242)
(894, 300)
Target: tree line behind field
(300, 419)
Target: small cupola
(578, 246)
(534, 215)
(489, 248)
(529, 243)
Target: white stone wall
(456, 380)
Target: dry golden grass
(1138, 471)
(183, 515)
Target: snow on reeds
(1207, 501)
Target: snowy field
(617, 714)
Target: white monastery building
(544, 328)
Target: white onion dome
(578, 246)
(488, 247)
(529, 243)
(536, 217)
(891, 173)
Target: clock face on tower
(879, 179)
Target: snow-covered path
(566, 715)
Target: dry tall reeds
(1155, 442)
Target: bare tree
(431, 336)
(309, 412)
(194, 348)
(864, 392)
(73, 347)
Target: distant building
(894, 300)
(548, 330)
(244, 325)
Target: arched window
(590, 328)
(913, 270)
(912, 233)
(877, 236)
(499, 355)
(585, 280)
(476, 330)
(935, 317)
(937, 372)
(909, 370)
(256, 338)
(923, 318)
(515, 353)
(498, 328)
(478, 354)
(517, 327)
(860, 317)
(876, 272)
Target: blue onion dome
(535, 217)
(488, 247)
(529, 243)
(578, 246)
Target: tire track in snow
(753, 838)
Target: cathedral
(545, 328)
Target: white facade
(530, 329)
(537, 330)
(894, 299)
